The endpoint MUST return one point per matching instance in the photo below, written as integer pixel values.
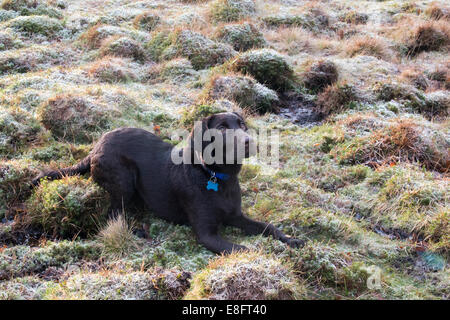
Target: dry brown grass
(419, 36)
(320, 75)
(404, 140)
(367, 46)
(92, 37)
(336, 98)
(436, 11)
(415, 77)
(111, 69)
(121, 46)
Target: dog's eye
(221, 127)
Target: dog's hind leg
(118, 181)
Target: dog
(131, 162)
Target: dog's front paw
(295, 243)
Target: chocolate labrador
(130, 162)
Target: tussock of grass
(243, 90)
(231, 10)
(68, 207)
(336, 98)
(117, 237)
(267, 66)
(122, 47)
(424, 36)
(366, 188)
(73, 117)
(112, 69)
(15, 177)
(242, 36)
(152, 285)
(320, 75)
(367, 46)
(245, 276)
(403, 140)
(146, 21)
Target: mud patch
(299, 109)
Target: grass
(366, 187)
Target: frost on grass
(231, 10)
(8, 41)
(68, 207)
(267, 66)
(336, 98)
(41, 25)
(320, 75)
(112, 69)
(403, 140)
(200, 50)
(242, 36)
(75, 118)
(18, 129)
(152, 285)
(95, 35)
(122, 47)
(24, 260)
(146, 21)
(245, 91)
(117, 237)
(411, 202)
(242, 276)
(178, 70)
(15, 177)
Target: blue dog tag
(212, 186)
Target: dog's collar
(212, 183)
(218, 175)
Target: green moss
(17, 130)
(178, 70)
(290, 21)
(23, 260)
(74, 117)
(267, 67)
(123, 47)
(155, 285)
(201, 51)
(112, 70)
(197, 113)
(146, 21)
(245, 91)
(402, 141)
(159, 42)
(15, 178)
(36, 25)
(244, 276)
(231, 10)
(68, 207)
(354, 17)
(242, 36)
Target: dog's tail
(80, 168)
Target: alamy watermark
(230, 146)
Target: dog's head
(223, 138)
